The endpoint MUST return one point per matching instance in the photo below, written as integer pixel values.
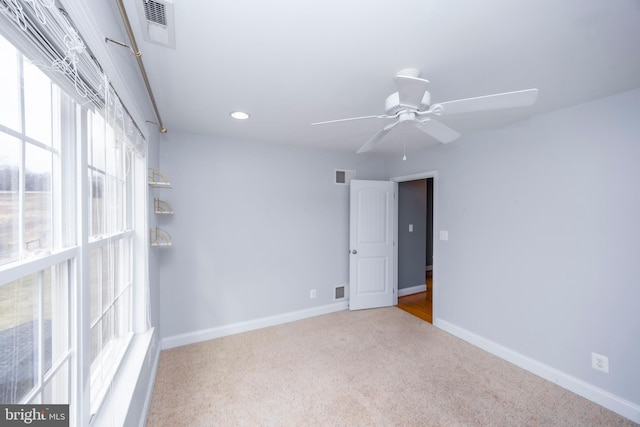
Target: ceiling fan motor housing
(392, 104)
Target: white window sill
(105, 366)
(116, 404)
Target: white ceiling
(289, 63)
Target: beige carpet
(380, 367)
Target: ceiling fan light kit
(412, 103)
(239, 115)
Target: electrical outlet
(312, 294)
(600, 362)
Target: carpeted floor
(380, 367)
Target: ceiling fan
(412, 103)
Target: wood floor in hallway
(420, 304)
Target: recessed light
(240, 115)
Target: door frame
(434, 272)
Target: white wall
(256, 227)
(543, 256)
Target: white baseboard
(602, 397)
(250, 325)
(412, 290)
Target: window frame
(60, 252)
(10, 273)
(109, 358)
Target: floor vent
(157, 21)
(344, 177)
(338, 293)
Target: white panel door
(371, 244)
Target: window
(35, 344)
(34, 338)
(29, 154)
(67, 235)
(111, 269)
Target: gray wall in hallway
(412, 245)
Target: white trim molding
(250, 325)
(436, 250)
(595, 394)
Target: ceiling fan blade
(376, 138)
(411, 90)
(381, 116)
(438, 130)
(520, 98)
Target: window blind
(46, 26)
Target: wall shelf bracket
(159, 237)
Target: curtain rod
(136, 52)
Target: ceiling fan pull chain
(404, 143)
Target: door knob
(354, 252)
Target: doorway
(415, 249)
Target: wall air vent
(156, 17)
(344, 177)
(339, 292)
(155, 12)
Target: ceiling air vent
(344, 177)
(157, 21)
